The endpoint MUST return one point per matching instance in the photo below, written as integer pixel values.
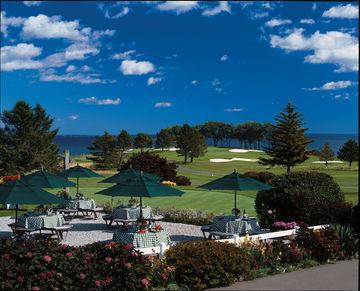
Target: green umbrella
(42, 179)
(17, 192)
(128, 174)
(78, 172)
(235, 181)
(141, 186)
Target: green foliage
(191, 143)
(349, 152)
(152, 163)
(206, 264)
(264, 177)
(104, 153)
(26, 140)
(188, 216)
(48, 265)
(298, 196)
(164, 139)
(288, 142)
(142, 141)
(349, 240)
(182, 181)
(218, 131)
(326, 154)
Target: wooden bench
(19, 232)
(124, 222)
(68, 214)
(94, 211)
(220, 235)
(206, 229)
(59, 230)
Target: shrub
(336, 212)
(49, 265)
(323, 244)
(264, 177)
(189, 216)
(152, 163)
(298, 196)
(349, 240)
(354, 222)
(182, 181)
(205, 264)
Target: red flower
(128, 247)
(43, 275)
(29, 255)
(47, 259)
(82, 276)
(108, 260)
(69, 254)
(35, 288)
(98, 283)
(145, 282)
(63, 246)
(110, 245)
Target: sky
(143, 66)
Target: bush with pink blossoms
(281, 225)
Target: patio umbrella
(17, 192)
(78, 172)
(141, 186)
(42, 179)
(129, 174)
(235, 181)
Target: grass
(202, 171)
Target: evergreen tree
(326, 154)
(26, 140)
(349, 152)
(103, 152)
(288, 142)
(123, 143)
(142, 141)
(164, 139)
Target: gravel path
(87, 231)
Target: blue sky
(143, 66)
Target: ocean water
(78, 144)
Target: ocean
(78, 144)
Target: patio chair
(20, 233)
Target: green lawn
(202, 171)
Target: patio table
(236, 225)
(81, 203)
(141, 240)
(38, 220)
(131, 212)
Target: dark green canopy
(42, 179)
(17, 192)
(78, 172)
(235, 181)
(141, 186)
(129, 174)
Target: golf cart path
(342, 275)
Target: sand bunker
(329, 162)
(244, 151)
(232, 160)
(173, 149)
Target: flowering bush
(281, 225)
(48, 265)
(185, 215)
(169, 183)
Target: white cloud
(307, 21)
(42, 26)
(194, 82)
(314, 6)
(233, 110)
(215, 82)
(162, 104)
(73, 117)
(20, 57)
(108, 10)
(342, 11)
(277, 22)
(123, 56)
(96, 101)
(70, 68)
(334, 85)
(332, 47)
(224, 58)
(153, 80)
(9, 21)
(132, 67)
(178, 7)
(222, 7)
(32, 3)
(259, 15)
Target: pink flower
(98, 283)
(270, 211)
(43, 275)
(21, 279)
(82, 276)
(110, 245)
(108, 260)
(28, 255)
(47, 259)
(145, 282)
(35, 288)
(6, 257)
(128, 247)
(63, 246)
(69, 254)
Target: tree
(123, 142)
(349, 152)
(326, 154)
(191, 143)
(164, 139)
(26, 140)
(103, 152)
(215, 130)
(288, 141)
(142, 141)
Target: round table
(36, 220)
(81, 204)
(236, 225)
(131, 212)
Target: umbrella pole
(141, 212)
(16, 215)
(77, 185)
(235, 198)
